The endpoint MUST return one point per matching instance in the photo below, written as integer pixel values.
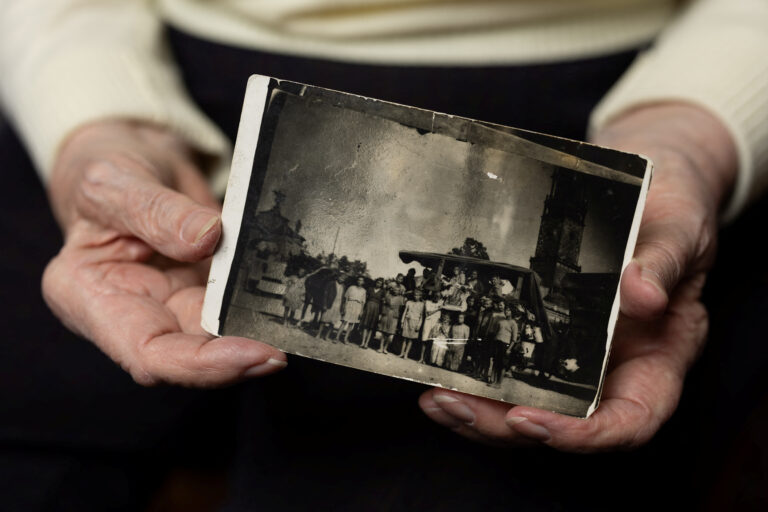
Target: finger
(639, 397)
(146, 337)
(621, 422)
(134, 202)
(618, 424)
(473, 417)
(643, 389)
(187, 306)
(92, 243)
(669, 246)
(120, 306)
(447, 420)
(179, 288)
(202, 361)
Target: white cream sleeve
(714, 55)
(64, 63)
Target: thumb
(670, 245)
(137, 203)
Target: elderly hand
(139, 225)
(663, 324)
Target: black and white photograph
(424, 246)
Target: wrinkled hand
(663, 324)
(133, 207)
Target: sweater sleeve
(64, 63)
(714, 56)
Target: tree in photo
(472, 248)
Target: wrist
(678, 137)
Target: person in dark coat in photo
(486, 332)
(333, 292)
(410, 282)
(315, 283)
(369, 321)
(475, 316)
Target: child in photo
(439, 336)
(372, 311)
(458, 339)
(432, 307)
(506, 333)
(354, 299)
(390, 317)
(295, 293)
(413, 315)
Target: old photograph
(428, 247)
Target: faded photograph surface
(431, 248)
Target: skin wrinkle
(627, 425)
(114, 275)
(642, 435)
(602, 438)
(212, 368)
(670, 258)
(694, 138)
(150, 211)
(51, 290)
(87, 235)
(673, 352)
(667, 350)
(128, 308)
(706, 247)
(89, 196)
(686, 361)
(146, 344)
(650, 359)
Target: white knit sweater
(67, 62)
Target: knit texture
(715, 57)
(65, 63)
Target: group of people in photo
(458, 322)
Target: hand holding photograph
(429, 247)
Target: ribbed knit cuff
(719, 64)
(90, 84)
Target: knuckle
(56, 276)
(142, 377)
(95, 195)
(100, 172)
(666, 259)
(50, 285)
(705, 242)
(152, 212)
(96, 176)
(637, 427)
(50, 276)
(696, 321)
(140, 369)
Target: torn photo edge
(562, 152)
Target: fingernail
(456, 408)
(197, 225)
(529, 429)
(277, 362)
(266, 367)
(514, 420)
